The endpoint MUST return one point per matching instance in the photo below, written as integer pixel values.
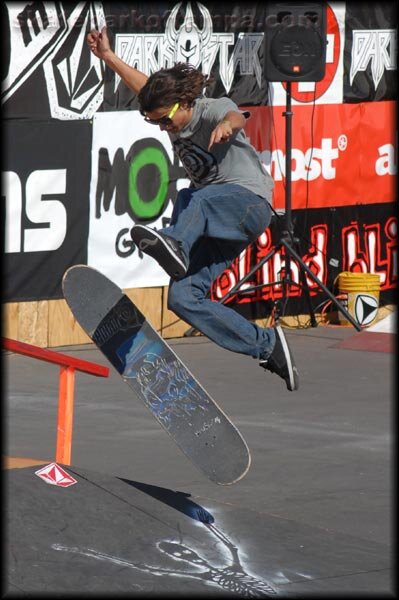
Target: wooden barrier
(50, 323)
(68, 366)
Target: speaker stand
(287, 242)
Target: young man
(225, 209)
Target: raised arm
(98, 43)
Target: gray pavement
(313, 515)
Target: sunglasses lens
(166, 119)
(161, 121)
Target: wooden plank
(64, 330)
(149, 302)
(14, 462)
(10, 319)
(33, 323)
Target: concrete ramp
(106, 534)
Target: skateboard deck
(156, 374)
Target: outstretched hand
(222, 133)
(98, 42)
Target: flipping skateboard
(156, 374)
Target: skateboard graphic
(156, 374)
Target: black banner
(45, 195)
(370, 54)
(48, 70)
(47, 67)
(224, 39)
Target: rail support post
(68, 366)
(65, 415)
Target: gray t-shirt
(235, 161)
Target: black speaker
(295, 41)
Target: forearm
(231, 123)
(235, 119)
(133, 78)
(99, 45)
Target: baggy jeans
(214, 225)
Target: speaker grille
(295, 42)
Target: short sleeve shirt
(235, 161)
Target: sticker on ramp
(55, 475)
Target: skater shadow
(177, 500)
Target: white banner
(134, 179)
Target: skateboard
(157, 375)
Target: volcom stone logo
(31, 35)
(377, 47)
(74, 75)
(40, 34)
(54, 474)
(190, 43)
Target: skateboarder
(225, 209)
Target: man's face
(170, 118)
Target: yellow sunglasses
(165, 120)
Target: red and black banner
(360, 239)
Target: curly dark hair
(181, 83)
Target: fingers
(94, 35)
(212, 140)
(92, 39)
(98, 40)
(96, 32)
(221, 133)
(218, 135)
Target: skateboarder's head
(169, 95)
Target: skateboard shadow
(177, 500)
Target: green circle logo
(149, 165)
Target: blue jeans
(214, 225)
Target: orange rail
(68, 366)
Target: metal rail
(68, 366)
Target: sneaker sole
(155, 246)
(293, 383)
